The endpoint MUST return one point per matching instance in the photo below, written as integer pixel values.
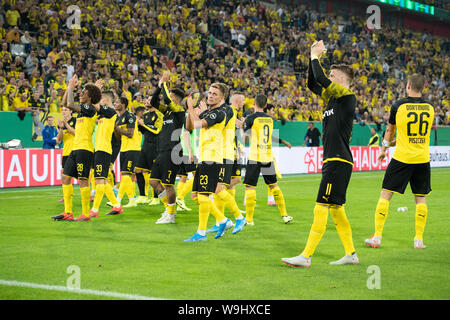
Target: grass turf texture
(130, 254)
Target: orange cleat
(93, 214)
(63, 217)
(82, 217)
(115, 211)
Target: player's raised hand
(99, 83)
(202, 105)
(190, 102)
(73, 82)
(317, 48)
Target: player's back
(261, 125)
(84, 128)
(413, 118)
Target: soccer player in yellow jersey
(131, 140)
(412, 117)
(337, 158)
(211, 121)
(106, 116)
(66, 134)
(79, 162)
(259, 127)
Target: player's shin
(100, 191)
(279, 200)
(68, 197)
(250, 204)
(317, 230)
(421, 219)
(110, 195)
(229, 202)
(381, 213)
(85, 200)
(203, 212)
(343, 228)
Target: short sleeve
(215, 116)
(131, 121)
(107, 112)
(393, 113)
(87, 110)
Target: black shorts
(206, 177)
(253, 169)
(64, 160)
(115, 153)
(102, 161)
(78, 164)
(335, 179)
(225, 173)
(164, 169)
(236, 170)
(128, 160)
(147, 157)
(398, 174)
(187, 166)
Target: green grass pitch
(131, 254)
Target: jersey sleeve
(131, 120)
(393, 113)
(167, 100)
(87, 110)
(215, 116)
(248, 123)
(107, 112)
(312, 83)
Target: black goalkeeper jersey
(337, 119)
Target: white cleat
(181, 205)
(142, 200)
(374, 242)
(297, 262)
(347, 259)
(418, 244)
(168, 218)
(251, 224)
(230, 225)
(287, 219)
(132, 203)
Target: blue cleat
(222, 229)
(215, 228)
(196, 237)
(240, 224)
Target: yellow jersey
(105, 129)
(413, 118)
(261, 126)
(228, 133)
(127, 121)
(84, 127)
(68, 137)
(211, 138)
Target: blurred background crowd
(250, 45)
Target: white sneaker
(418, 244)
(181, 206)
(163, 215)
(287, 219)
(374, 242)
(251, 224)
(131, 203)
(168, 218)
(298, 261)
(347, 259)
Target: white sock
(201, 232)
(223, 220)
(240, 217)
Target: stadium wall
(38, 167)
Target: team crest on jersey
(213, 116)
(130, 120)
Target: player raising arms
(413, 118)
(337, 157)
(79, 162)
(164, 170)
(211, 120)
(259, 127)
(103, 153)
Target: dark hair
(139, 109)
(346, 69)
(180, 93)
(94, 93)
(124, 101)
(261, 100)
(417, 82)
(268, 107)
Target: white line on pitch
(13, 283)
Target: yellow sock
(343, 228)
(131, 189)
(203, 211)
(180, 187)
(68, 197)
(195, 199)
(187, 188)
(92, 180)
(215, 211)
(147, 182)
(122, 187)
(250, 204)
(163, 197)
(279, 200)
(85, 200)
(229, 202)
(233, 193)
(110, 178)
(171, 208)
(317, 230)
(99, 192)
(220, 205)
(421, 219)
(381, 213)
(110, 195)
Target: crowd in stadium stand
(245, 44)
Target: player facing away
(211, 121)
(150, 126)
(79, 162)
(131, 139)
(337, 157)
(412, 117)
(259, 127)
(106, 116)
(164, 169)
